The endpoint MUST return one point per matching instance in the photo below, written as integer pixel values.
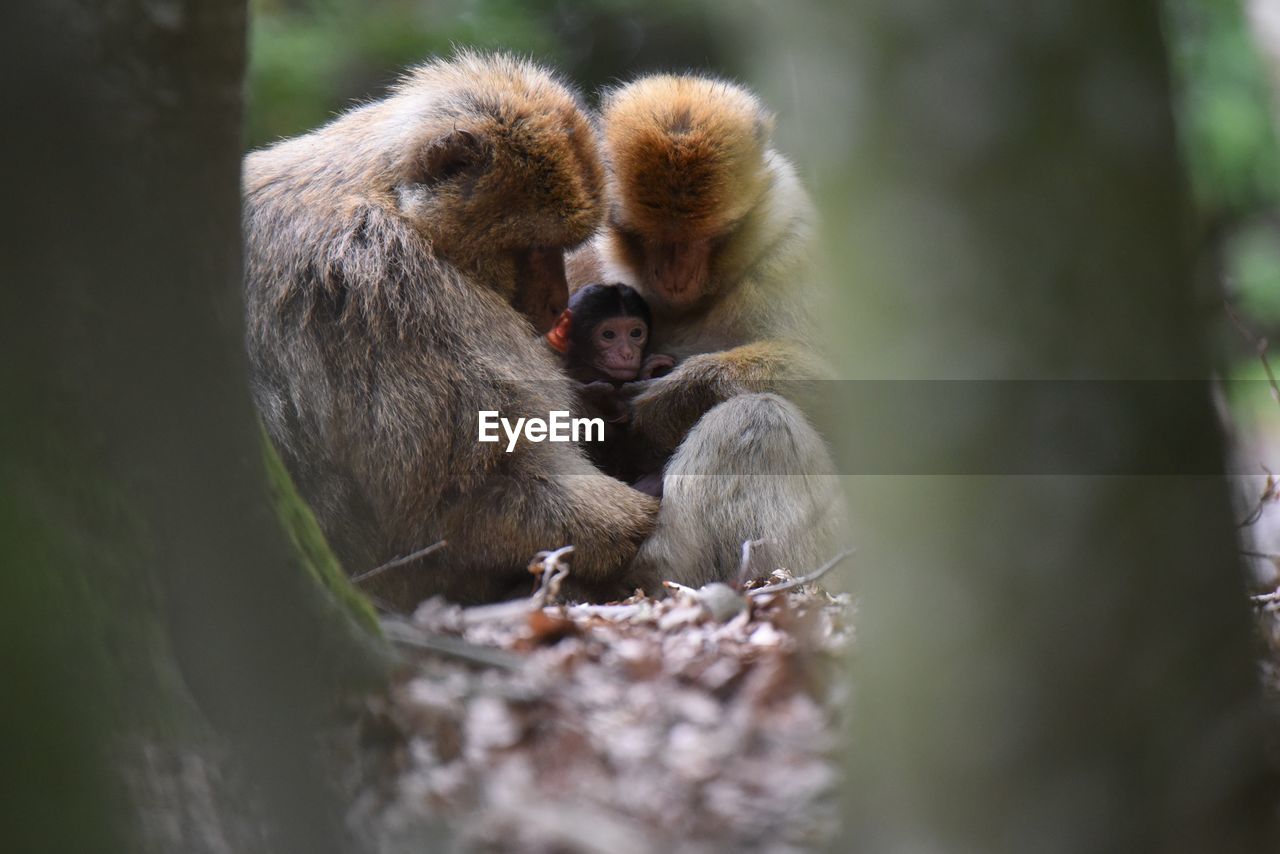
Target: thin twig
(804, 579)
(607, 612)
(551, 572)
(510, 610)
(745, 566)
(400, 561)
(1253, 516)
(404, 634)
(1269, 493)
(1261, 346)
(1268, 602)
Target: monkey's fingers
(655, 419)
(636, 389)
(603, 398)
(656, 365)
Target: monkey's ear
(558, 337)
(456, 153)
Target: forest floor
(708, 720)
(1260, 529)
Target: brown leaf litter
(705, 721)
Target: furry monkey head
(499, 170)
(488, 163)
(688, 162)
(497, 153)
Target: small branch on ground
(400, 561)
(1261, 347)
(1267, 602)
(1269, 494)
(680, 588)
(804, 579)
(605, 612)
(745, 566)
(551, 572)
(407, 635)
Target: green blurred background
(312, 58)
(1226, 65)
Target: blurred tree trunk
(1057, 661)
(135, 527)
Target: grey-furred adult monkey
(396, 260)
(712, 227)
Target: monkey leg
(752, 468)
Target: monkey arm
(663, 410)
(603, 400)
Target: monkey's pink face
(617, 346)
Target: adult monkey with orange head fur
(713, 228)
(390, 256)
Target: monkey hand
(656, 365)
(664, 409)
(604, 400)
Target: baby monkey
(603, 336)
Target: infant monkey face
(617, 345)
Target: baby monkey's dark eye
(608, 334)
(637, 332)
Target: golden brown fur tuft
(545, 169)
(689, 151)
(479, 154)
